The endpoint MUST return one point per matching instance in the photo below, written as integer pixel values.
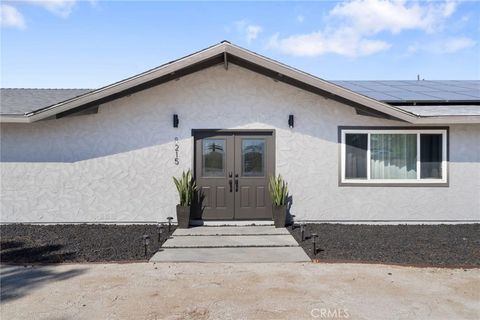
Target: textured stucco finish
(117, 165)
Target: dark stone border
(414, 245)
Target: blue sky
(88, 44)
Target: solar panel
(380, 95)
(473, 93)
(415, 96)
(382, 88)
(451, 96)
(351, 86)
(416, 90)
(393, 82)
(469, 86)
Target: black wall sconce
(175, 120)
(291, 121)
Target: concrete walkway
(231, 244)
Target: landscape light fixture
(302, 231)
(160, 230)
(314, 243)
(175, 121)
(169, 224)
(146, 242)
(291, 121)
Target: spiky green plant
(278, 190)
(186, 187)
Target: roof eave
(13, 118)
(451, 119)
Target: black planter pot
(279, 216)
(183, 217)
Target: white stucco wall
(117, 165)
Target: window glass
(356, 155)
(393, 156)
(253, 157)
(431, 156)
(213, 158)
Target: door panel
(260, 196)
(254, 164)
(221, 197)
(214, 162)
(232, 170)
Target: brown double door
(232, 170)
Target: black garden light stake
(159, 230)
(314, 243)
(169, 224)
(302, 231)
(146, 242)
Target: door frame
(205, 133)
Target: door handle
(236, 183)
(230, 174)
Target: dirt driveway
(238, 291)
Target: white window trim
(418, 180)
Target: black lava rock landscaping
(418, 245)
(22, 243)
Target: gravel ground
(77, 243)
(264, 291)
(420, 245)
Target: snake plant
(186, 187)
(278, 190)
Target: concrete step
(224, 231)
(232, 255)
(222, 223)
(231, 241)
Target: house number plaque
(177, 147)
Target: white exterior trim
(418, 180)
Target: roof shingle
(21, 101)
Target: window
(393, 156)
(356, 156)
(252, 157)
(213, 158)
(431, 156)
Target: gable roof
(225, 53)
(457, 100)
(440, 97)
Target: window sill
(417, 183)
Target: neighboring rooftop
(21, 101)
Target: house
(351, 151)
